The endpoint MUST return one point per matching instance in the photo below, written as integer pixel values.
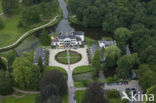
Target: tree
(2, 65)
(55, 78)
(40, 64)
(151, 90)
(94, 94)
(146, 76)
(1, 24)
(45, 39)
(96, 60)
(122, 36)
(113, 94)
(111, 54)
(49, 94)
(6, 86)
(126, 63)
(11, 56)
(26, 74)
(30, 16)
(9, 6)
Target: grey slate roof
(40, 52)
(107, 43)
(78, 33)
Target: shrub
(113, 94)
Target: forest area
(132, 22)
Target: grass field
(26, 99)
(11, 32)
(79, 95)
(55, 67)
(0, 6)
(83, 69)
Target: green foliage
(2, 65)
(113, 94)
(30, 16)
(111, 54)
(56, 79)
(45, 38)
(122, 36)
(11, 57)
(126, 63)
(112, 79)
(1, 24)
(6, 86)
(9, 6)
(26, 74)
(96, 60)
(146, 76)
(151, 90)
(40, 64)
(94, 94)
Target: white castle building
(68, 39)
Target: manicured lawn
(118, 100)
(62, 57)
(79, 84)
(26, 99)
(83, 69)
(55, 67)
(65, 99)
(79, 95)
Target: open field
(26, 99)
(0, 6)
(11, 32)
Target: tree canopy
(26, 74)
(6, 83)
(111, 54)
(94, 94)
(126, 63)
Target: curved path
(27, 34)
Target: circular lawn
(62, 57)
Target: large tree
(96, 60)
(26, 74)
(94, 94)
(45, 38)
(151, 90)
(6, 83)
(9, 6)
(146, 76)
(111, 55)
(49, 94)
(2, 64)
(30, 16)
(55, 78)
(122, 36)
(126, 63)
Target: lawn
(79, 95)
(115, 100)
(0, 6)
(26, 99)
(65, 99)
(83, 69)
(79, 84)
(11, 32)
(55, 67)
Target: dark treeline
(132, 22)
